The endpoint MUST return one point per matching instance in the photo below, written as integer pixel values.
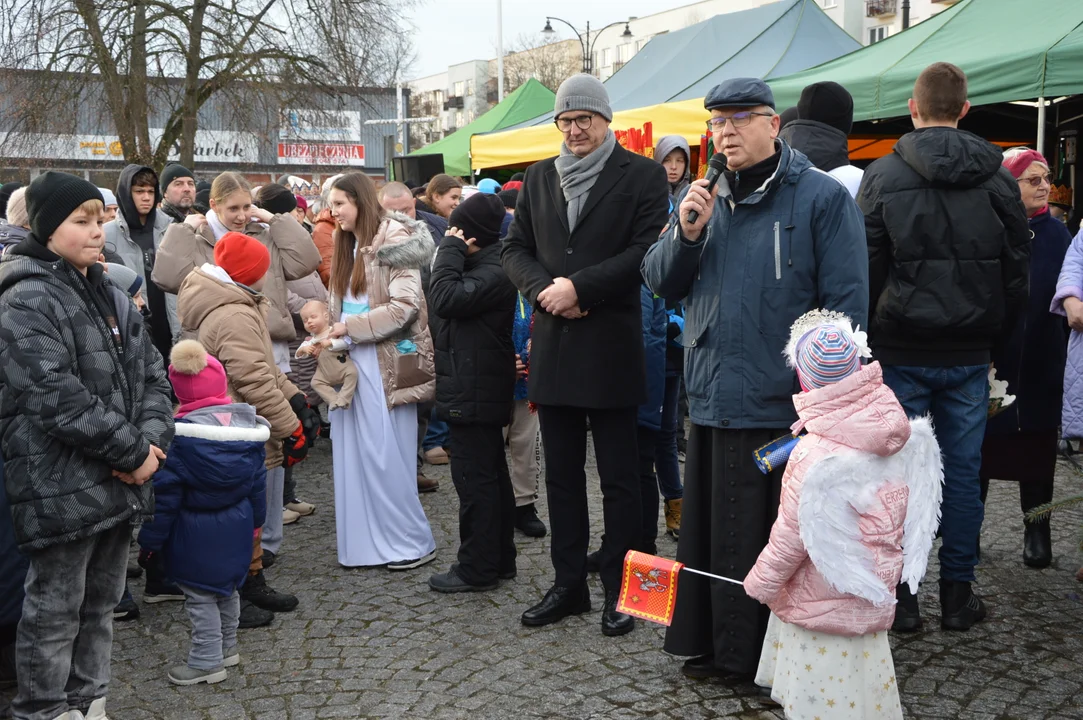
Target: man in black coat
(583, 223)
(949, 269)
(471, 304)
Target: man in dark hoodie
(132, 239)
(949, 257)
(823, 119)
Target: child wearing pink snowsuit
(859, 509)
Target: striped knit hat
(824, 348)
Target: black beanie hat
(480, 217)
(829, 103)
(787, 116)
(509, 198)
(203, 185)
(202, 204)
(5, 194)
(519, 176)
(51, 197)
(276, 199)
(172, 172)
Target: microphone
(714, 171)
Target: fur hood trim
(259, 434)
(414, 252)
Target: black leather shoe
(452, 582)
(614, 622)
(703, 668)
(960, 608)
(907, 614)
(1037, 544)
(253, 617)
(558, 603)
(256, 591)
(594, 561)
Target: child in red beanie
(210, 497)
(222, 307)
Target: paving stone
(367, 643)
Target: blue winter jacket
(520, 335)
(210, 497)
(654, 346)
(795, 244)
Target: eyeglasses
(737, 120)
(1037, 180)
(582, 122)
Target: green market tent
(1010, 50)
(529, 100)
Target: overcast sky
(454, 31)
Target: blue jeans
(958, 400)
(665, 458)
(65, 636)
(437, 434)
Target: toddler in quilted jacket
(210, 500)
(859, 508)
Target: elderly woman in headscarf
(1021, 442)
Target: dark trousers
(289, 487)
(647, 441)
(564, 439)
(729, 509)
(669, 468)
(479, 470)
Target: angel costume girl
(859, 509)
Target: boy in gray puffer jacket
(85, 417)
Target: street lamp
(585, 43)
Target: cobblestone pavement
(367, 643)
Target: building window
(876, 34)
(459, 119)
(459, 88)
(828, 4)
(603, 58)
(624, 52)
(469, 87)
(439, 97)
(641, 43)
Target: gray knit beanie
(583, 92)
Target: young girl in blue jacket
(210, 499)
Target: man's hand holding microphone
(698, 204)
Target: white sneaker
(289, 516)
(301, 507)
(70, 715)
(96, 711)
(233, 659)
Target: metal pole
(399, 115)
(1041, 124)
(499, 51)
(588, 61)
(906, 13)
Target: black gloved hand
(310, 419)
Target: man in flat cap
(583, 222)
(775, 239)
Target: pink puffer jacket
(857, 418)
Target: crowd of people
(171, 350)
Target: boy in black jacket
(472, 304)
(85, 417)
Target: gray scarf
(578, 175)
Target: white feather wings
(839, 488)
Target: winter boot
(907, 614)
(527, 521)
(256, 591)
(960, 608)
(673, 517)
(1037, 544)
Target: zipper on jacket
(778, 254)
